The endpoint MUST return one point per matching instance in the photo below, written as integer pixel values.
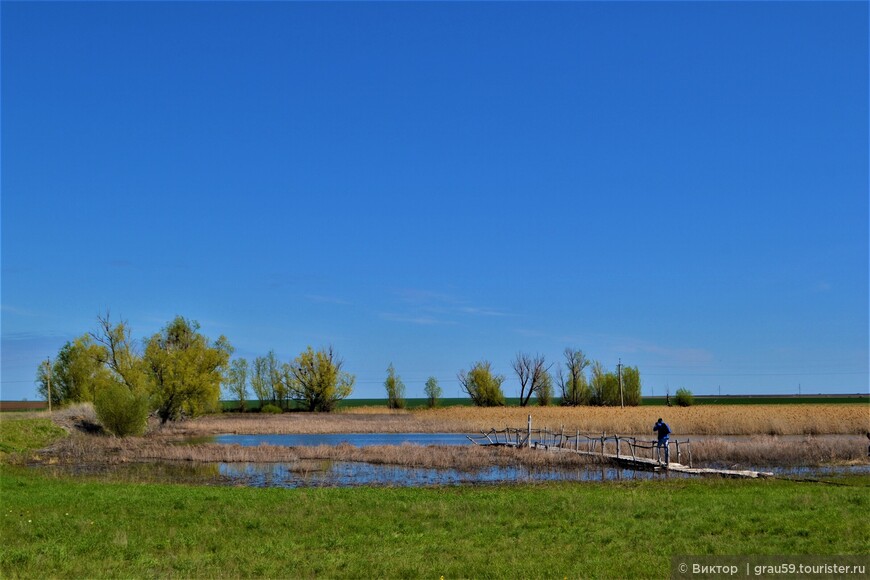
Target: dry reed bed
(701, 420)
(753, 451)
(82, 450)
(774, 451)
(822, 419)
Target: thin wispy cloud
(411, 319)
(667, 354)
(433, 305)
(9, 309)
(34, 336)
(476, 311)
(320, 299)
(419, 296)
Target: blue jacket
(663, 429)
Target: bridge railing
(617, 445)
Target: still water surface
(350, 474)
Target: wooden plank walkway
(645, 464)
(597, 447)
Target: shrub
(482, 386)
(316, 381)
(604, 386)
(395, 389)
(684, 398)
(433, 392)
(631, 386)
(270, 408)
(545, 390)
(121, 411)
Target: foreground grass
(60, 527)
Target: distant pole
(48, 381)
(621, 397)
(799, 389)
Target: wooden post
(48, 378)
(529, 440)
(617, 446)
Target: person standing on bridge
(664, 433)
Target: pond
(328, 473)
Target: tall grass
(768, 450)
(697, 420)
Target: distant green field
(767, 400)
(420, 403)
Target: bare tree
(530, 371)
(120, 351)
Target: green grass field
(65, 527)
(60, 527)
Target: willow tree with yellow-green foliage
(315, 380)
(76, 374)
(482, 385)
(185, 369)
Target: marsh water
(333, 473)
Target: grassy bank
(60, 527)
(25, 434)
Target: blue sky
(683, 186)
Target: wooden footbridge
(629, 452)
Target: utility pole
(48, 381)
(621, 397)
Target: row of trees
(583, 382)
(313, 381)
(396, 390)
(177, 370)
